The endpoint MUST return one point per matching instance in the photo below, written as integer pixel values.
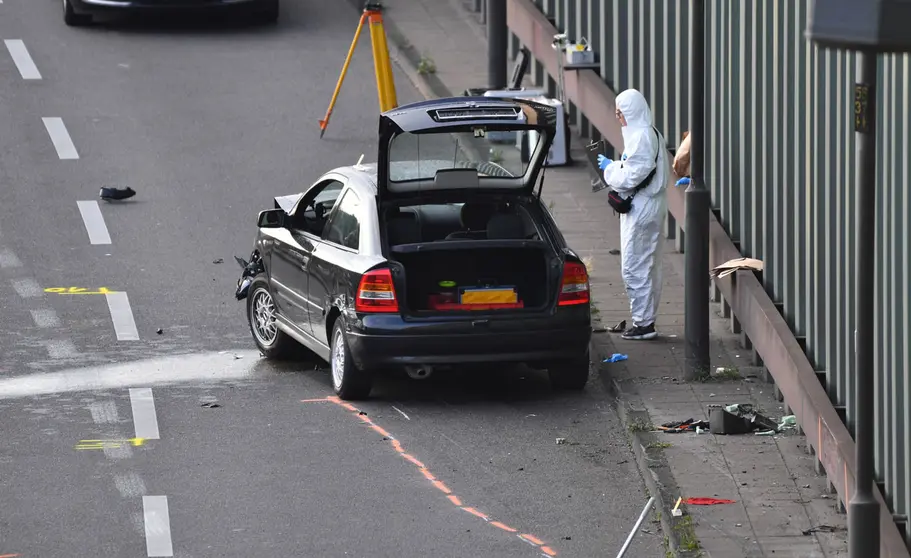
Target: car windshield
(419, 156)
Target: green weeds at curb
(426, 65)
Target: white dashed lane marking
(145, 419)
(122, 316)
(8, 259)
(56, 129)
(22, 59)
(94, 222)
(44, 318)
(63, 348)
(104, 412)
(158, 526)
(130, 485)
(27, 288)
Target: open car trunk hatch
(445, 146)
(477, 277)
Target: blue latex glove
(685, 181)
(616, 357)
(603, 162)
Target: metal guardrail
(779, 162)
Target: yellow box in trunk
(490, 296)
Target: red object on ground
(706, 501)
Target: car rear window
(420, 156)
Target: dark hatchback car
(439, 254)
(81, 12)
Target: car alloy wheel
(338, 360)
(263, 317)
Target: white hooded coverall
(640, 229)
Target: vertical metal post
(698, 204)
(863, 509)
(497, 44)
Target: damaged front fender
(250, 270)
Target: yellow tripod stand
(385, 84)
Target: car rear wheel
(348, 381)
(261, 314)
(71, 18)
(570, 374)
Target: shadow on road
(464, 385)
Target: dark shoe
(107, 193)
(640, 333)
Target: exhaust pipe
(419, 372)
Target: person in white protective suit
(644, 153)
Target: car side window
(344, 227)
(314, 210)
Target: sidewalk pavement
(782, 507)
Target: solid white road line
(158, 526)
(8, 259)
(23, 60)
(45, 318)
(26, 288)
(145, 420)
(94, 222)
(60, 137)
(122, 316)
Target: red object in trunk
(438, 303)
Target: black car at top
(440, 253)
(81, 12)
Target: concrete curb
(679, 532)
(680, 537)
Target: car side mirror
(271, 219)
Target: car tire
(71, 18)
(570, 374)
(272, 342)
(348, 381)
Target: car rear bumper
(107, 6)
(389, 340)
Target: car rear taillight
(376, 293)
(574, 286)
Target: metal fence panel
(780, 163)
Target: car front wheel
(570, 374)
(348, 381)
(261, 315)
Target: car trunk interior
(475, 277)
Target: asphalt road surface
(110, 445)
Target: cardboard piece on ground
(736, 264)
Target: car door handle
(480, 323)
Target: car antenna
(359, 161)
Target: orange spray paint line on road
(455, 500)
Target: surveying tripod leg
(385, 82)
(324, 123)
